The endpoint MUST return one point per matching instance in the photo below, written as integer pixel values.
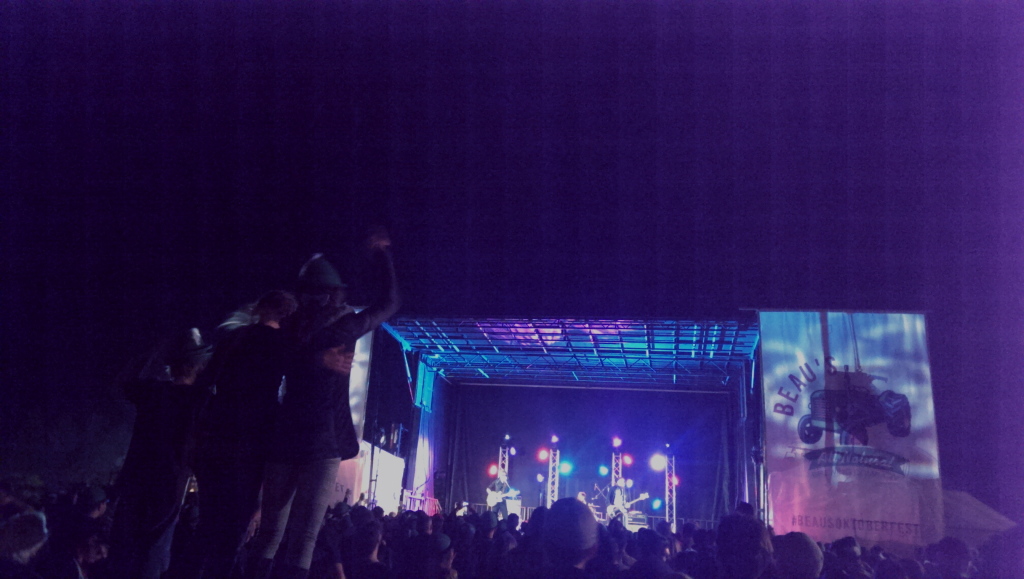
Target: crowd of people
(566, 541)
(261, 424)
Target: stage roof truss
(670, 354)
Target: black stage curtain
(699, 428)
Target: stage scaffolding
(681, 356)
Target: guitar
(495, 497)
(616, 510)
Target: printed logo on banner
(850, 435)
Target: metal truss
(670, 491)
(503, 459)
(660, 354)
(554, 474)
(616, 467)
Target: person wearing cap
(314, 431)
(570, 538)
(156, 470)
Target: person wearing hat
(21, 537)
(314, 431)
(152, 482)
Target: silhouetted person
(797, 556)
(156, 470)
(314, 429)
(570, 538)
(744, 547)
(245, 377)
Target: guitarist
(619, 506)
(618, 503)
(497, 492)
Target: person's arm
(355, 325)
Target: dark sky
(163, 162)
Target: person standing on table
(314, 430)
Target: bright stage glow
(512, 451)
(675, 480)
(565, 467)
(543, 454)
(554, 439)
(493, 470)
(616, 442)
(627, 460)
(602, 470)
(629, 483)
(540, 478)
(507, 437)
(656, 504)
(659, 462)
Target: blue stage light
(656, 504)
(565, 467)
(602, 470)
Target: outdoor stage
(679, 388)
(822, 421)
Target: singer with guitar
(619, 506)
(497, 492)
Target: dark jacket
(244, 375)
(315, 418)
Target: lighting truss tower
(503, 459)
(553, 475)
(670, 491)
(616, 466)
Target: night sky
(163, 162)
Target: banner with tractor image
(850, 441)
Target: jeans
(295, 497)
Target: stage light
(512, 451)
(616, 442)
(493, 470)
(543, 454)
(540, 478)
(565, 467)
(659, 462)
(507, 437)
(675, 480)
(602, 470)
(629, 483)
(656, 504)
(554, 439)
(627, 460)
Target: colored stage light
(554, 439)
(675, 480)
(602, 470)
(656, 504)
(565, 467)
(629, 483)
(659, 462)
(493, 470)
(512, 451)
(540, 478)
(616, 442)
(627, 460)
(507, 437)
(543, 454)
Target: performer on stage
(497, 492)
(618, 503)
